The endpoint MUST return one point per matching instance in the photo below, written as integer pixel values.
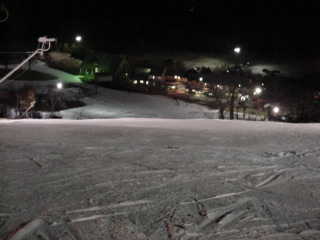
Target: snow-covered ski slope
(151, 178)
(109, 103)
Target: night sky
(271, 28)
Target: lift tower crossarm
(45, 46)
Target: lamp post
(234, 85)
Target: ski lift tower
(45, 45)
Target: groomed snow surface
(156, 179)
(108, 103)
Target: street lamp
(237, 50)
(201, 79)
(78, 38)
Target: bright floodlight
(257, 91)
(59, 85)
(200, 79)
(237, 50)
(276, 110)
(78, 38)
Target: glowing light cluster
(243, 98)
(257, 91)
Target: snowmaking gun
(44, 46)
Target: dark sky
(265, 27)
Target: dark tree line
(299, 96)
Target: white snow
(108, 177)
(60, 75)
(110, 103)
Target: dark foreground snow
(161, 179)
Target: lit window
(141, 81)
(135, 82)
